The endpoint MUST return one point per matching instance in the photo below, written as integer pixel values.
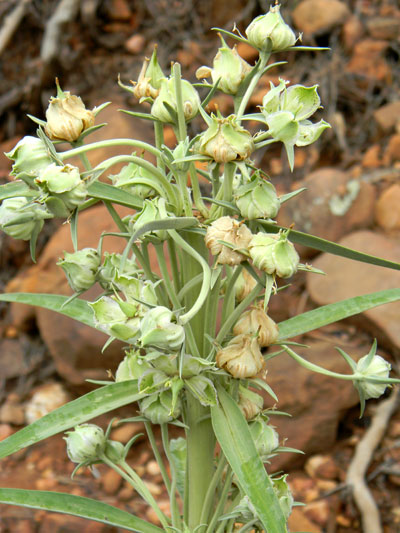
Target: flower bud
(64, 186)
(264, 436)
(225, 140)
(149, 213)
(159, 408)
(270, 33)
(30, 156)
(81, 268)
(285, 497)
(149, 81)
(132, 366)
(250, 403)
(241, 357)
(115, 318)
(85, 443)
(229, 230)
(274, 254)
(255, 321)
(111, 268)
(257, 199)
(167, 94)
(244, 285)
(377, 368)
(157, 329)
(228, 67)
(67, 117)
(131, 178)
(20, 218)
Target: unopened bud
(30, 156)
(225, 140)
(85, 443)
(241, 357)
(158, 329)
(20, 218)
(149, 81)
(67, 117)
(159, 407)
(167, 94)
(250, 403)
(81, 268)
(257, 199)
(270, 33)
(264, 436)
(231, 231)
(274, 254)
(132, 366)
(377, 368)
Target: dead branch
(65, 12)
(355, 479)
(11, 23)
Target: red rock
(318, 16)
(368, 61)
(318, 512)
(119, 10)
(299, 522)
(346, 279)
(321, 466)
(387, 213)
(5, 431)
(45, 399)
(388, 116)
(111, 482)
(352, 31)
(371, 158)
(12, 412)
(332, 205)
(135, 43)
(247, 52)
(386, 28)
(125, 432)
(392, 150)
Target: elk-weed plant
(196, 329)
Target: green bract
(257, 199)
(378, 367)
(225, 140)
(111, 269)
(159, 408)
(63, 188)
(116, 318)
(132, 366)
(30, 156)
(265, 437)
(81, 268)
(158, 329)
(229, 69)
(85, 443)
(270, 33)
(274, 254)
(284, 495)
(150, 77)
(167, 94)
(150, 212)
(134, 179)
(20, 218)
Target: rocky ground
(353, 194)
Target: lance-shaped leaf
(82, 409)
(232, 432)
(78, 506)
(327, 314)
(104, 191)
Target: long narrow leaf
(104, 191)
(76, 309)
(328, 314)
(86, 407)
(60, 502)
(238, 446)
(330, 247)
(15, 188)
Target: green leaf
(104, 191)
(323, 245)
(86, 407)
(16, 188)
(76, 309)
(328, 314)
(233, 435)
(60, 502)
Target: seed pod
(81, 268)
(241, 357)
(167, 94)
(250, 403)
(257, 199)
(157, 329)
(274, 254)
(229, 230)
(149, 81)
(20, 218)
(255, 321)
(30, 156)
(244, 285)
(132, 366)
(265, 437)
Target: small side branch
(355, 479)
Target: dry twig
(65, 12)
(355, 479)
(11, 23)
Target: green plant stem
(212, 312)
(197, 199)
(104, 144)
(206, 276)
(229, 172)
(174, 266)
(232, 319)
(179, 102)
(159, 140)
(115, 216)
(134, 480)
(157, 456)
(181, 179)
(200, 457)
(229, 301)
(175, 514)
(221, 503)
(264, 57)
(209, 499)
